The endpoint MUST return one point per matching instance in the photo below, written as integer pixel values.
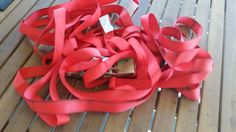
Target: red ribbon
(160, 61)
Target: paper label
(106, 24)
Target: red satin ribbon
(160, 61)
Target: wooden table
(165, 111)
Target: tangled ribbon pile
(164, 57)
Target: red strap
(73, 30)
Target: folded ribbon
(164, 57)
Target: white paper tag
(133, 6)
(106, 24)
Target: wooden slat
(188, 8)
(14, 17)
(72, 125)
(92, 122)
(9, 9)
(119, 120)
(165, 121)
(187, 108)
(228, 104)
(10, 43)
(158, 8)
(187, 116)
(17, 60)
(7, 108)
(167, 104)
(202, 16)
(209, 111)
(142, 115)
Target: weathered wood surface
(165, 111)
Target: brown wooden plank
(92, 122)
(204, 3)
(10, 43)
(187, 116)
(142, 114)
(18, 58)
(187, 108)
(72, 125)
(209, 111)
(7, 108)
(165, 114)
(228, 103)
(9, 9)
(14, 17)
(203, 16)
(119, 120)
(167, 104)
(188, 8)
(158, 8)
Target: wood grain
(209, 111)
(228, 92)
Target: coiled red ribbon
(160, 61)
